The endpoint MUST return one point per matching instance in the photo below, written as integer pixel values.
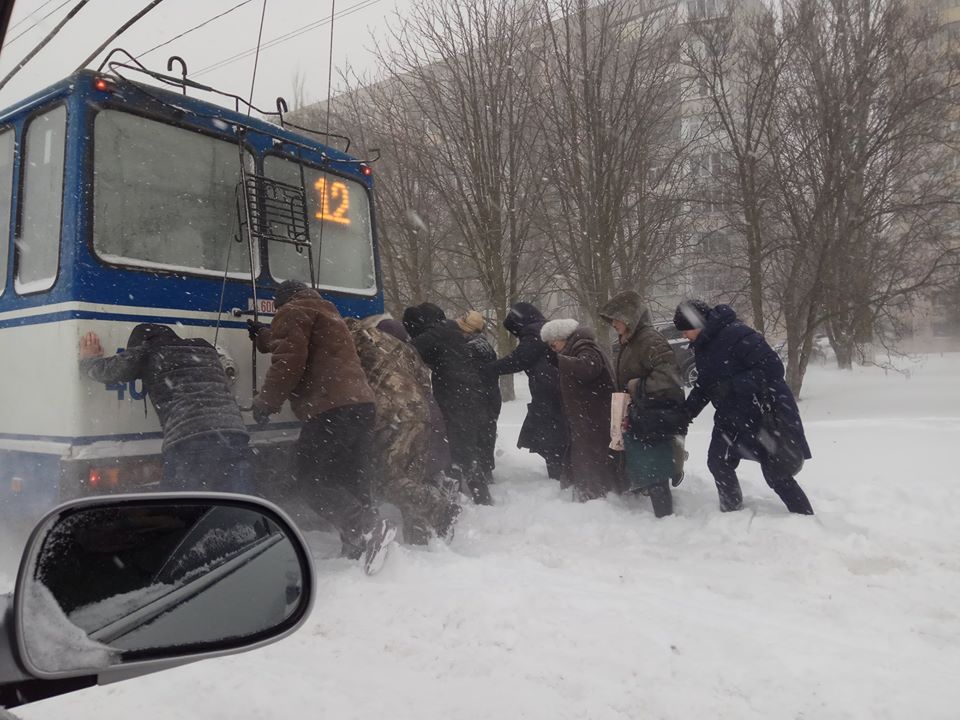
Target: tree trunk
(505, 344)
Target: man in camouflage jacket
(402, 430)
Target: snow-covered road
(542, 608)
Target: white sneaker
(377, 547)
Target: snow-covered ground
(542, 608)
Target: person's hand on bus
(90, 346)
(254, 327)
(260, 415)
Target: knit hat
(691, 315)
(286, 291)
(472, 322)
(556, 330)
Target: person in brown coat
(647, 369)
(586, 384)
(314, 365)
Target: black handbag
(784, 454)
(657, 418)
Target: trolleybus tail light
(103, 85)
(104, 477)
(366, 170)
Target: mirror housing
(218, 574)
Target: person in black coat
(205, 441)
(544, 430)
(456, 387)
(482, 352)
(756, 414)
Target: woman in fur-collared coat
(586, 385)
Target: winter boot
(416, 532)
(793, 497)
(377, 545)
(680, 456)
(480, 492)
(731, 496)
(447, 522)
(662, 500)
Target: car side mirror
(129, 585)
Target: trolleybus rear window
(339, 213)
(38, 252)
(7, 139)
(165, 197)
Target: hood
(521, 315)
(148, 334)
(421, 317)
(630, 309)
(717, 319)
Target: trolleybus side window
(165, 197)
(339, 214)
(7, 142)
(38, 248)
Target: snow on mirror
(114, 585)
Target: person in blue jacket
(756, 414)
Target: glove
(254, 327)
(552, 357)
(260, 415)
(719, 391)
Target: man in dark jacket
(482, 352)
(204, 436)
(314, 365)
(456, 387)
(544, 430)
(647, 369)
(756, 415)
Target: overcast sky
(222, 39)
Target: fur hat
(472, 322)
(286, 290)
(556, 330)
(691, 315)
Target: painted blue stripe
(88, 440)
(53, 317)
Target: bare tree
(613, 157)
(464, 70)
(860, 201)
(737, 59)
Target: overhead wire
(296, 32)
(194, 28)
(256, 60)
(118, 32)
(29, 15)
(52, 12)
(43, 43)
(333, 15)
